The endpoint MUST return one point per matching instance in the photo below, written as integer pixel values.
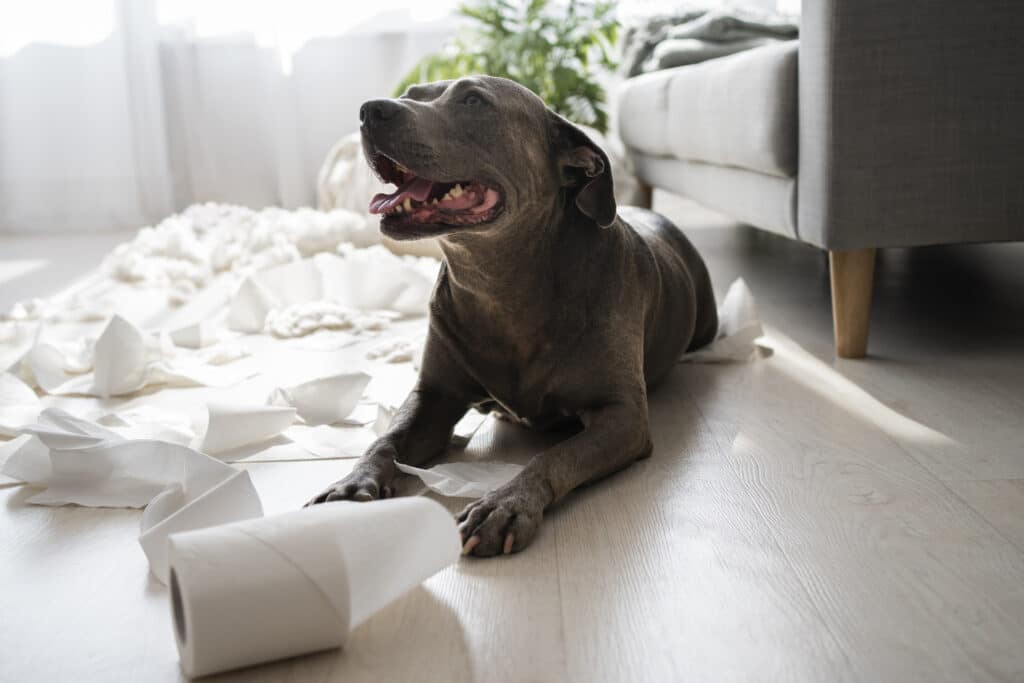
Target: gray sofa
(888, 124)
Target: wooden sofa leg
(852, 274)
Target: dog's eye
(472, 99)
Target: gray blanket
(663, 42)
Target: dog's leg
(507, 519)
(421, 430)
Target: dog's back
(686, 317)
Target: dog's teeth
(457, 191)
(398, 209)
(407, 205)
(434, 201)
(401, 168)
(447, 197)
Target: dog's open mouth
(421, 200)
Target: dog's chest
(524, 383)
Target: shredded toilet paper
(399, 350)
(184, 251)
(124, 360)
(150, 422)
(739, 326)
(19, 405)
(197, 335)
(358, 289)
(81, 462)
(230, 426)
(325, 441)
(311, 316)
(323, 401)
(464, 479)
(315, 404)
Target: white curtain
(115, 113)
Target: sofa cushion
(738, 111)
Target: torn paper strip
(385, 414)
(739, 326)
(464, 479)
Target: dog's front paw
(362, 484)
(505, 521)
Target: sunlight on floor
(829, 384)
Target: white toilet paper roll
(275, 587)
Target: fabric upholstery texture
(910, 122)
(767, 201)
(735, 111)
(904, 128)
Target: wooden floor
(801, 519)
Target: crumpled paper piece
(198, 335)
(354, 280)
(739, 326)
(150, 422)
(363, 415)
(317, 403)
(323, 401)
(84, 463)
(232, 426)
(385, 414)
(464, 479)
(19, 405)
(123, 360)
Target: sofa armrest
(911, 122)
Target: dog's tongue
(415, 188)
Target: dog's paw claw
(502, 522)
(360, 486)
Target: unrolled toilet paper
(275, 587)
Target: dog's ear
(585, 167)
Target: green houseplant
(556, 48)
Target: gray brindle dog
(549, 306)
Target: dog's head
(479, 154)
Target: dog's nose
(377, 111)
